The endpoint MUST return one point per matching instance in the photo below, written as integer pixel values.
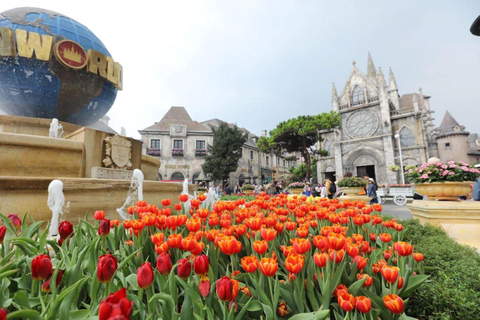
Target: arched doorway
(241, 180)
(177, 176)
(195, 176)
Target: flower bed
(296, 185)
(273, 257)
(442, 171)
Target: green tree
(299, 135)
(222, 157)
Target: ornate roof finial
(392, 83)
(354, 63)
(370, 68)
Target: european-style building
(377, 123)
(181, 144)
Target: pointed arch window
(327, 146)
(407, 138)
(357, 95)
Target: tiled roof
(406, 101)
(177, 115)
(448, 125)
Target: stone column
(389, 160)
(337, 149)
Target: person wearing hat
(372, 191)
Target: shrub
(453, 290)
(441, 172)
(352, 182)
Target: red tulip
(99, 215)
(184, 268)
(294, 263)
(201, 264)
(363, 304)
(65, 229)
(104, 227)
(17, 223)
(336, 241)
(177, 206)
(183, 197)
(3, 231)
(226, 290)
(164, 264)
(260, 246)
(145, 275)
(41, 267)
(46, 284)
(394, 303)
(385, 237)
(166, 202)
(106, 267)
(116, 306)
(3, 314)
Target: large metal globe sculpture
(52, 66)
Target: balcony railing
(401, 111)
(155, 152)
(359, 103)
(200, 152)
(177, 152)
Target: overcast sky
(257, 63)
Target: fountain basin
(84, 195)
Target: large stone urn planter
(353, 194)
(445, 191)
(247, 192)
(296, 190)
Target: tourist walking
(372, 191)
(323, 191)
(476, 190)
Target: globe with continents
(38, 80)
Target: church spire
(392, 85)
(370, 68)
(381, 79)
(334, 98)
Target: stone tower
(452, 140)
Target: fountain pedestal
(459, 219)
(30, 160)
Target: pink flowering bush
(296, 185)
(443, 171)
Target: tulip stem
(140, 294)
(41, 298)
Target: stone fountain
(96, 168)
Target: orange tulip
(320, 259)
(390, 274)
(166, 202)
(268, 267)
(174, 240)
(346, 301)
(394, 303)
(157, 238)
(193, 225)
(336, 241)
(260, 246)
(294, 263)
(268, 234)
(367, 282)
(363, 304)
(418, 256)
(301, 246)
(249, 263)
(385, 237)
(403, 249)
(230, 245)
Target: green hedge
(453, 290)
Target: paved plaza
(400, 212)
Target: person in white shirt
(323, 191)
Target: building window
(447, 144)
(178, 144)
(155, 143)
(284, 163)
(357, 95)
(251, 155)
(266, 160)
(200, 145)
(406, 137)
(327, 146)
(241, 152)
(278, 161)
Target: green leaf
(356, 286)
(24, 314)
(318, 315)
(413, 283)
(79, 314)
(268, 312)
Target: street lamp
(397, 136)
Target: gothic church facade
(372, 114)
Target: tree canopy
(222, 157)
(299, 135)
